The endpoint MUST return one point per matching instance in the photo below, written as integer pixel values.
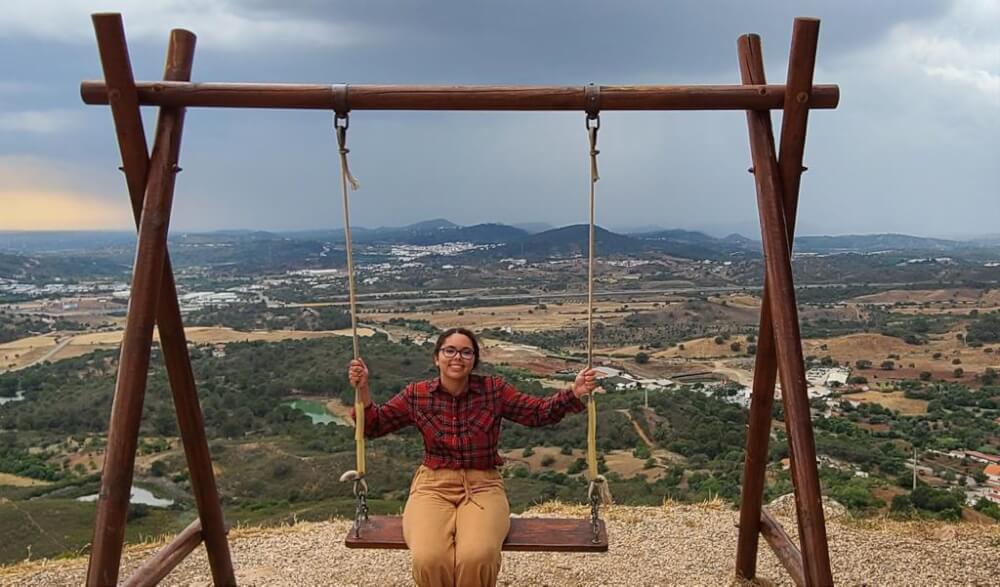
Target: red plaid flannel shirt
(462, 432)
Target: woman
(457, 515)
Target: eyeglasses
(451, 352)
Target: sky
(912, 148)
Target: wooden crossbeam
(396, 97)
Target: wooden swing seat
(526, 534)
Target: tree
(642, 358)
(902, 506)
(888, 365)
(735, 347)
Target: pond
(138, 495)
(317, 412)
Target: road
(385, 298)
(60, 345)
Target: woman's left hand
(586, 382)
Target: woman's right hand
(357, 374)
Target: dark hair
(464, 331)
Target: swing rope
(341, 122)
(598, 493)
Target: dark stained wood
(167, 558)
(384, 97)
(130, 387)
(805, 35)
(526, 534)
(783, 548)
(788, 340)
(135, 160)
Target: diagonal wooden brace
(800, 73)
(151, 296)
(788, 343)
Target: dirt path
(740, 376)
(41, 530)
(638, 429)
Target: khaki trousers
(454, 524)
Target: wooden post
(793, 124)
(133, 364)
(135, 160)
(788, 343)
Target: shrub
(158, 469)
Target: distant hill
(869, 243)
(570, 241)
(435, 235)
(689, 244)
(533, 227)
(46, 268)
(36, 241)
(428, 232)
(434, 224)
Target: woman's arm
(379, 419)
(536, 411)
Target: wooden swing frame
(150, 179)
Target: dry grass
(893, 400)
(876, 348)
(20, 353)
(705, 348)
(525, 317)
(15, 481)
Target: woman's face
(459, 364)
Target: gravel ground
(669, 545)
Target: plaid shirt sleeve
(388, 417)
(536, 411)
